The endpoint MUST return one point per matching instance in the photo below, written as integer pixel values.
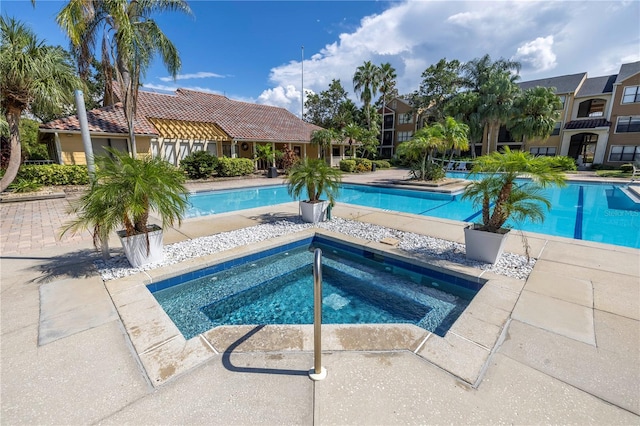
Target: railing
(318, 372)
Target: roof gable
(627, 70)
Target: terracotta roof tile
(240, 120)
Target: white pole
(84, 131)
(302, 88)
(318, 372)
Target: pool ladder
(318, 372)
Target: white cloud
(549, 38)
(537, 54)
(201, 74)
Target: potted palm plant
(314, 177)
(502, 198)
(123, 193)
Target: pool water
(359, 287)
(585, 211)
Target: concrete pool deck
(568, 353)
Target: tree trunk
(128, 102)
(15, 157)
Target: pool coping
(164, 353)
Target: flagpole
(302, 88)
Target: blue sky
(252, 50)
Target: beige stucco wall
(72, 148)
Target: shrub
(199, 165)
(562, 162)
(363, 165)
(627, 167)
(348, 166)
(382, 164)
(23, 185)
(54, 174)
(234, 167)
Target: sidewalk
(569, 352)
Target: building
(400, 123)
(599, 121)
(173, 125)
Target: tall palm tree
(536, 113)
(479, 71)
(497, 98)
(387, 76)
(366, 82)
(32, 73)
(134, 39)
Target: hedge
(54, 174)
(382, 164)
(234, 167)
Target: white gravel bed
(435, 250)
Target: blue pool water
(585, 211)
(276, 287)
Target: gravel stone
(434, 250)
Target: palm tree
(387, 77)
(497, 98)
(124, 192)
(479, 71)
(366, 83)
(536, 112)
(32, 74)
(315, 178)
(420, 148)
(354, 133)
(135, 40)
(454, 135)
(498, 189)
(323, 139)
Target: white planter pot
(135, 247)
(484, 246)
(314, 212)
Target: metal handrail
(318, 373)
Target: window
(388, 121)
(405, 119)
(335, 151)
(591, 108)
(212, 148)
(549, 151)
(631, 95)
(628, 124)
(626, 153)
(404, 136)
(563, 99)
(557, 128)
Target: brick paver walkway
(34, 225)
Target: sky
(263, 51)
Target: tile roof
(240, 120)
(102, 120)
(563, 83)
(597, 86)
(591, 123)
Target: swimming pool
(276, 287)
(597, 212)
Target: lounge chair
(451, 165)
(636, 170)
(462, 166)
